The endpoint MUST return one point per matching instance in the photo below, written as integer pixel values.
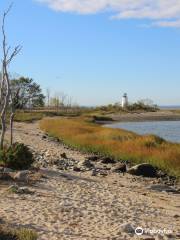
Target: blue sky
(96, 52)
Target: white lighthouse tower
(124, 100)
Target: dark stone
(120, 167)
(144, 169)
(44, 137)
(87, 164)
(93, 158)
(76, 169)
(5, 176)
(63, 155)
(107, 160)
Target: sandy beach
(76, 205)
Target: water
(169, 130)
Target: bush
(7, 233)
(18, 156)
(101, 118)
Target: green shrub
(18, 156)
(7, 233)
(101, 118)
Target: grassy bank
(119, 144)
(30, 116)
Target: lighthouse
(124, 100)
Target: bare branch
(14, 53)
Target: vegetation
(27, 116)
(17, 156)
(26, 93)
(7, 233)
(119, 144)
(143, 105)
(100, 118)
(30, 116)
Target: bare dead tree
(63, 98)
(5, 91)
(48, 93)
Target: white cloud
(164, 13)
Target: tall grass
(119, 144)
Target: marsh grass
(116, 143)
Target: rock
(22, 176)
(106, 168)
(148, 238)
(76, 169)
(7, 170)
(94, 173)
(44, 137)
(107, 160)
(162, 188)
(87, 164)
(93, 158)
(5, 176)
(120, 167)
(63, 155)
(19, 190)
(24, 190)
(127, 227)
(103, 173)
(144, 169)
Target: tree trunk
(3, 130)
(11, 127)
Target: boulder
(144, 169)
(22, 176)
(120, 167)
(107, 160)
(93, 158)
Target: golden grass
(22, 116)
(117, 143)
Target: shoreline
(68, 204)
(144, 117)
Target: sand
(76, 205)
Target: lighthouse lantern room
(124, 100)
